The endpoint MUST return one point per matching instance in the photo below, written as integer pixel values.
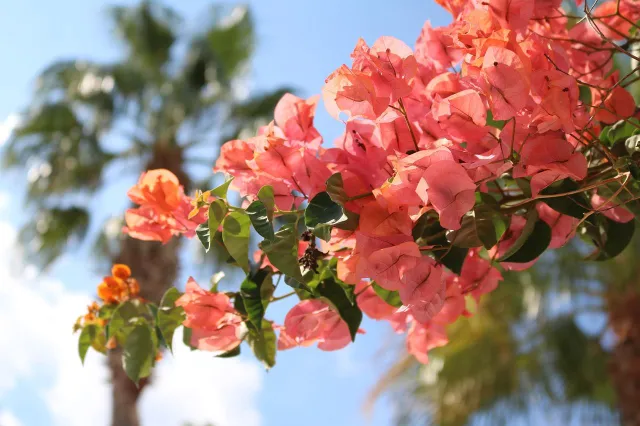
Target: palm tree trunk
(624, 316)
(155, 266)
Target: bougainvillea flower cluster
(501, 135)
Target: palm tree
(560, 340)
(167, 96)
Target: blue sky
(41, 383)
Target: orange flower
(121, 271)
(159, 189)
(112, 290)
(119, 287)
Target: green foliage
(204, 235)
(335, 189)
(610, 237)
(221, 191)
(283, 254)
(169, 316)
(139, 352)
(217, 211)
(532, 242)
(87, 336)
(334, 293)
(391, 297)
(574, 205)
(263, 343)
(76, 103)
(482, 226)
(267, 198)
(254, 298)
(260, 220)
(236, 229)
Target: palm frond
(148, 32)
(53, 231)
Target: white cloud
(8, 419)
(7, 126)
(37, 315)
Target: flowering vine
(499, 136)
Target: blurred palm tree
(171, 98)
(557, 344)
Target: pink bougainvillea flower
(313, 321)
(295, 117)
(376, 220)
(142, 224)
(385, 265)
(422, 338)
(512, 14)
(352, 92)
(462, 115)
(478, 276)
(234, 157)
(563, 227)
(423, 289)
(618, 105)
(611, 209)
(432, 47)
(454, 301)
(611, 24)
(508, 80)
(164, 209)
(549, 158)
(450, 191)
(215, 325)
(557, 95)
(371, 304)
(158, 189)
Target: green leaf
(323, 210)
(534, 240)
(574, 205)
(267, 197)
(250, 291)
(88, 334)
(335, 189)
(498, 124)
(139, 352)
(124, 319)
(391, 297)
(616, 237)
(221, 191)
(282, 252)
(632, 144)
(427, 231)
(259, 218)
(236, 229)
(263, 343)
(585, 95)
(106, 311)
(453, 258)
(169, 316)
(186, 337)
(231, 353)
(203, 233)
(349, 312)
(482, 226)
(322, 231)
(349, 222)
(622, 130)
(217, 211)
(215, 280)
